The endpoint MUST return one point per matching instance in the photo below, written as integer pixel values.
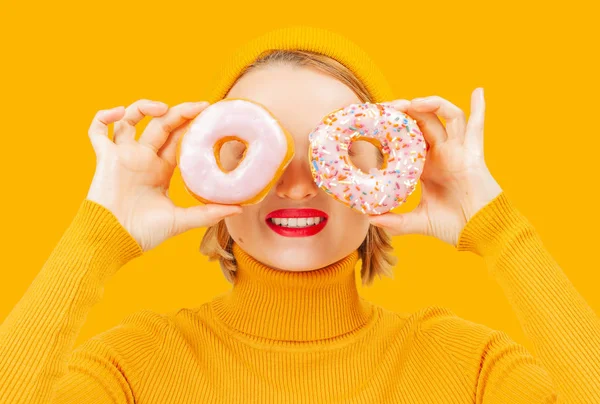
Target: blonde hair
(375, 252)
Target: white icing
(266, 148)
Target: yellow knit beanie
(307, 38)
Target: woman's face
(299, 97)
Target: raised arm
(37, 337)
(563, 327)
(127, 211)
(464, 206)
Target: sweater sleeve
(38, 335)
(563, 327)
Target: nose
(297, 182)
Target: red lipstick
(306, 231)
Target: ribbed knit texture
(282, 337)
(288, 337)
(307, 38)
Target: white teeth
(297, 221)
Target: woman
(293, 327)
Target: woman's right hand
(132, 176)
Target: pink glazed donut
(269, 150)
(393, 132)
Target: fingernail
(159, 104)
(200, 104)
(419, 100)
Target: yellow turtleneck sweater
(288, 337)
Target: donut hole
(366, 154)
(229, 153)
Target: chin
(295, 260)
(299, 258)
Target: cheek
(350, 223)
(241, 226)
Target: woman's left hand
(455, 181)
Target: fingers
(168, 151)
(454, 116)
(202, 215)
(433, 130)
(98, 131)
(474, 131)
(125, 128)
(400, 104)
(396, 224)
(159, 129)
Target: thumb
(398, 224)
(202, 215)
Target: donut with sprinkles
(397, 136)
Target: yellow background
(63, 61)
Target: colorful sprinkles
(377, 191)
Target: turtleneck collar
(293, 306)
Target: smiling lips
(297, 222)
